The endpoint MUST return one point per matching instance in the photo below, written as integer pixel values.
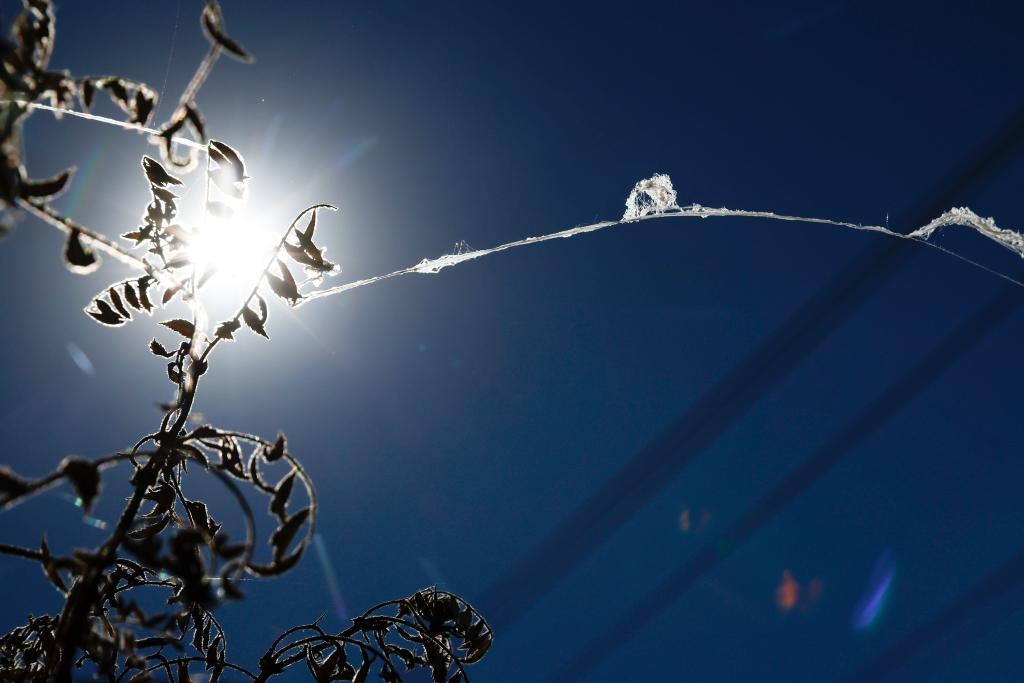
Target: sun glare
(235, 249)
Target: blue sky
(455, 423)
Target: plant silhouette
(165, 539)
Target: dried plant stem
(84, 593)
(263, 274)
(101, 242)
(198, 79)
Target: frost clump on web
(1013, 241)
(651, 196)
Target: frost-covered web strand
(655, 198)
(113, 122)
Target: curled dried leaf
(214, 29)
(284, 286)
(46, 189)
(77, 257)
(84, 476)
(254, 323)
(157, 174)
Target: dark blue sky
(454, 423)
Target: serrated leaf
(181, 326)
(227, 329)
(157, 349)
(254, 323)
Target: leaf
(276, 452)
(77, 257)
(307, 234)
(195, 119)
(105, 314)
(226, 180)
(163, 194)
(225, 155)
(142, 107)
(157, 174)
(284, 286)
(131, 297)
(46, 189)
(115, 299)
(279, 504)
(181, 326)
(10, 483)
(299, 255)
(263, 308)
(253, 322)
(227, 329)
(215, 32)
(84, 476)
(136, 236)
(158, 349)
(169, 294)
(282, 537)
(279, 566)
(87, 92)
(144, 283)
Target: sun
(235, 250)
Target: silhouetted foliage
(165, 539)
